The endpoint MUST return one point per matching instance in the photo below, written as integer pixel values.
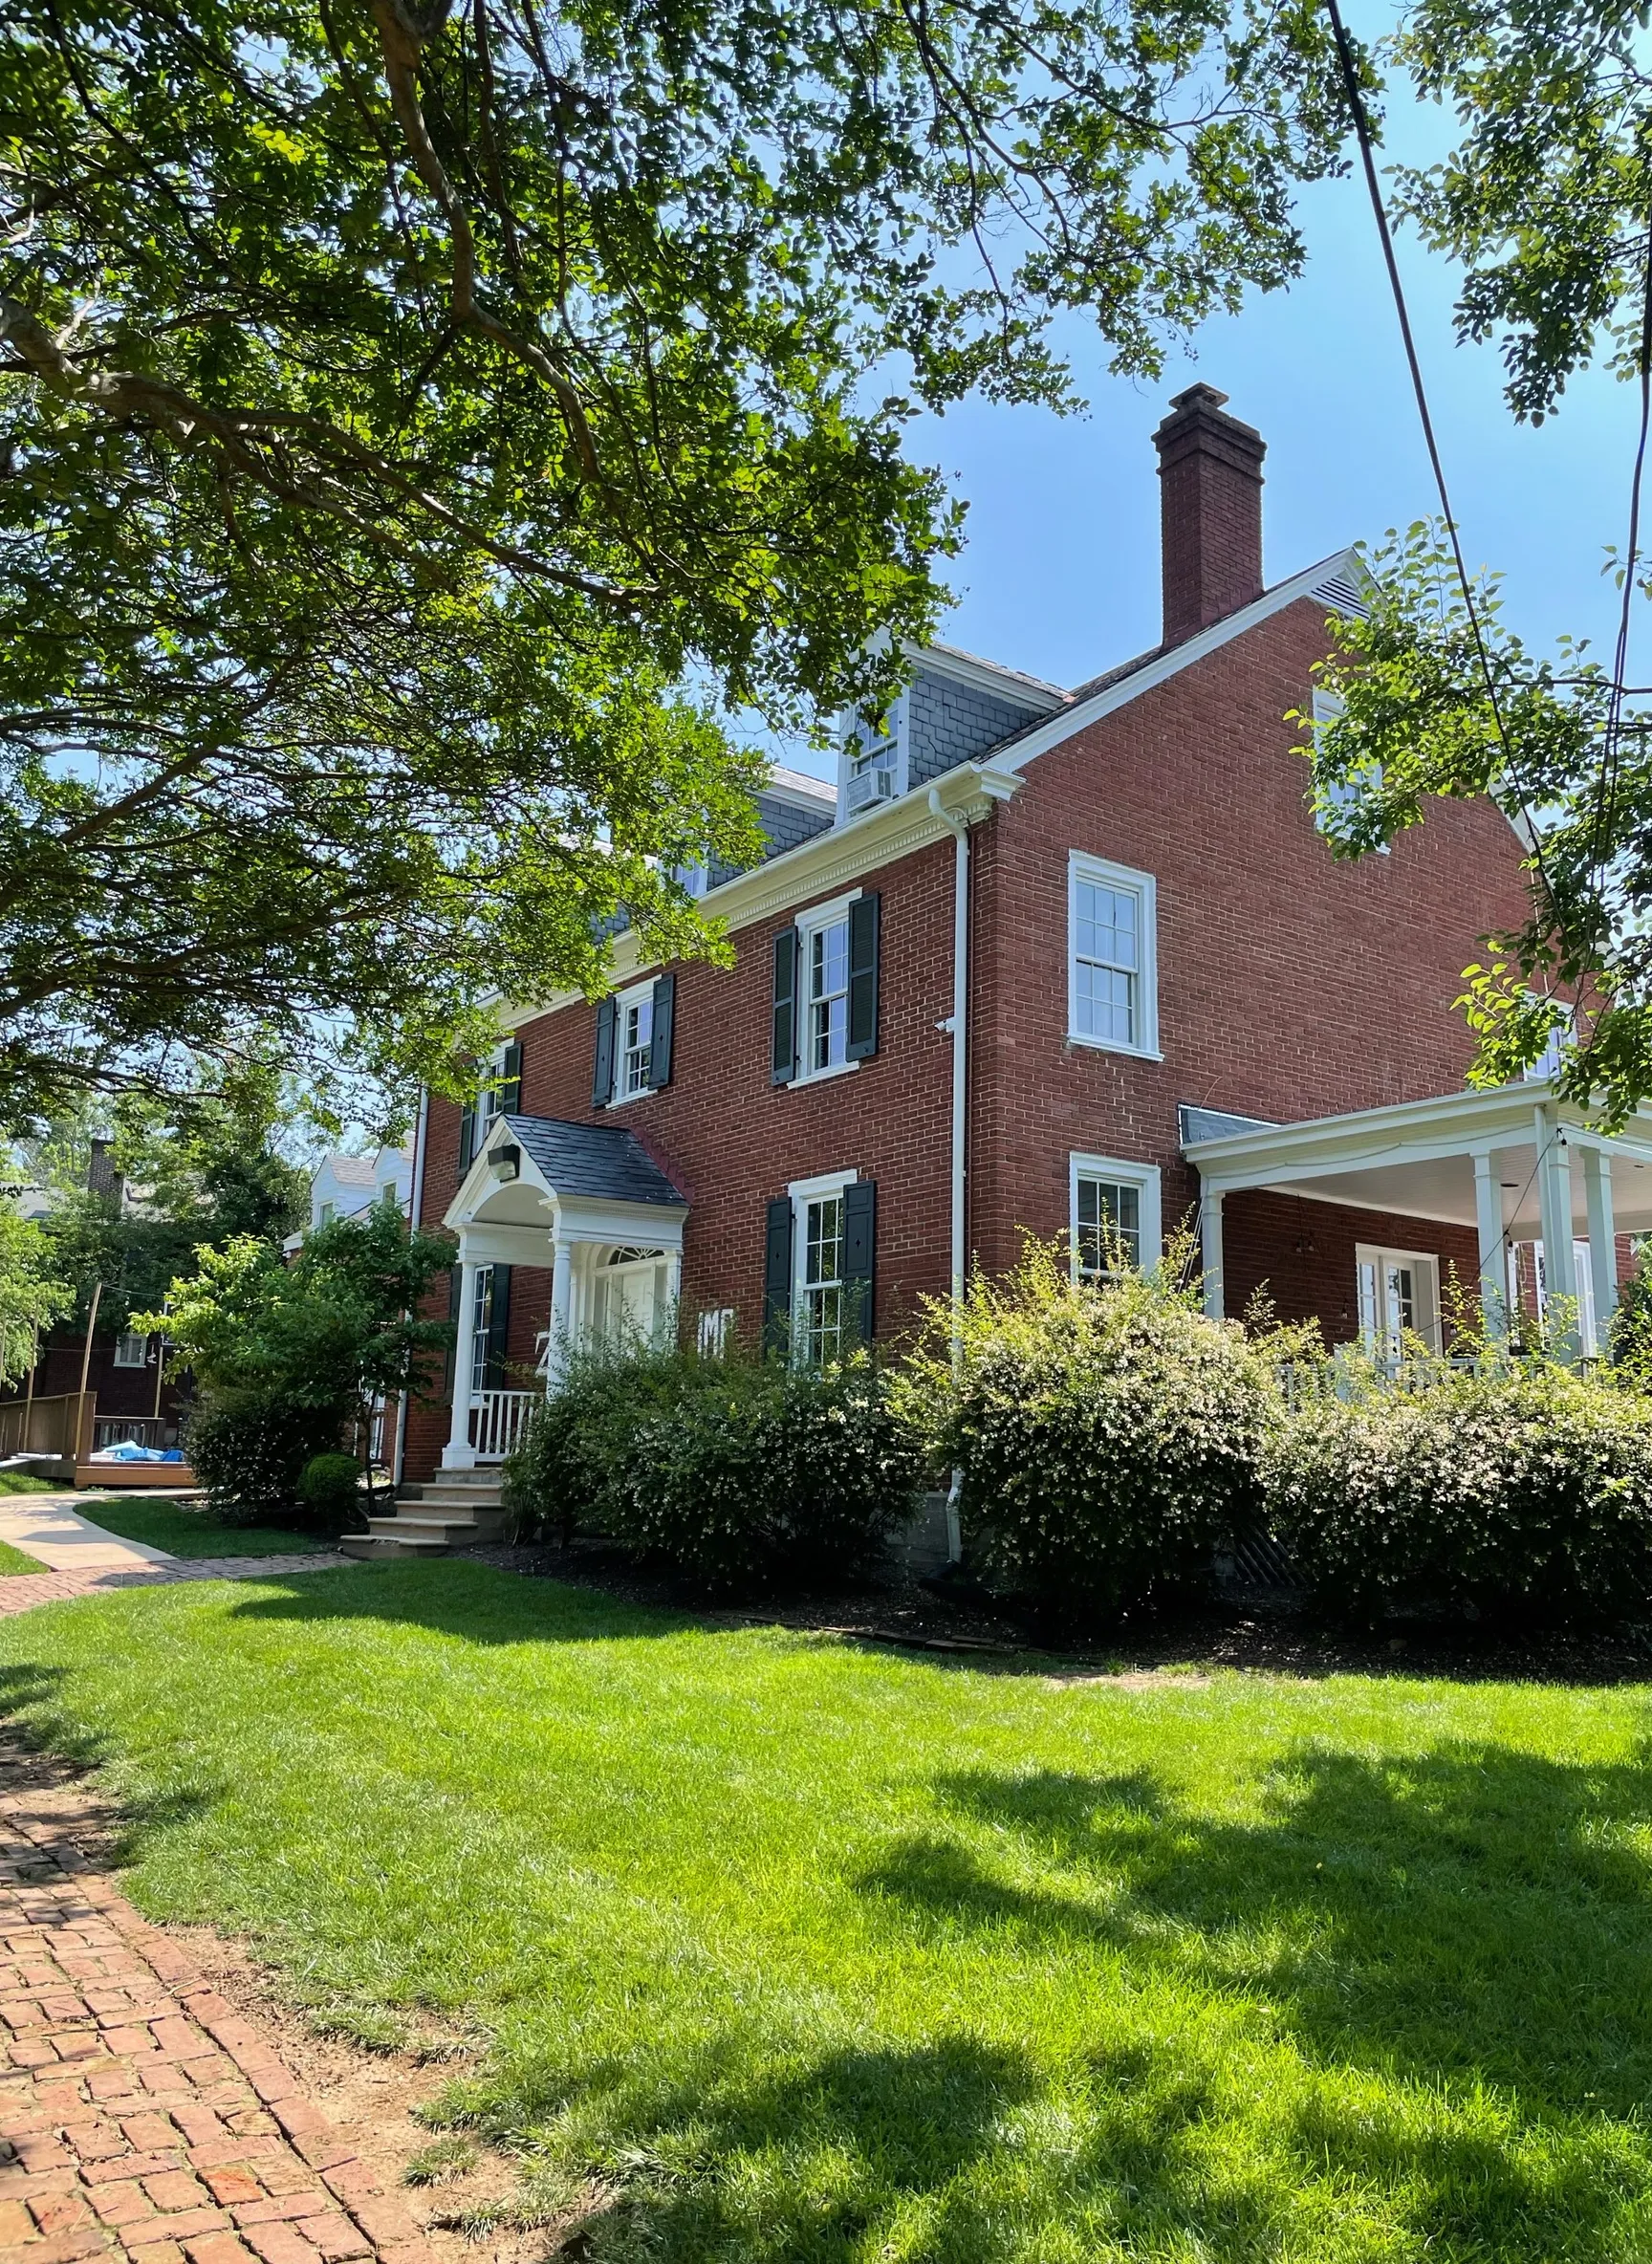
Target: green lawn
(13, 1561)
(816, 1953)
(20, 1482)
(189, 1532)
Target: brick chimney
(1210, 511)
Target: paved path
(23, 1591)
(141, 2118)
(49, 1527)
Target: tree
(1545, 204)
(332, 1333)
(420, 419)
(32, 1293)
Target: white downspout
(959, 1026)
(415, 1197)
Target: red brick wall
(1300, 1255)
(1290, 985)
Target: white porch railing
(498, 1420)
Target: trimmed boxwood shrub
(330, 1487)
(736, 1474)
(1520, 1491)
(249, 1448)
(1109, 1437)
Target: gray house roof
(602, 1161)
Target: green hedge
(249, 1450)
(735, 1473)
(1522, 1491)
(1109, 1438)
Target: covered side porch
(589, 1206)
(1529, 1186)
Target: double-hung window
(826, 997)
(826, 988)
(1115, 1215)
(820, 1287)
(131, 1351)
(1111, 949)
(636, 1041)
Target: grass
(185, 1531)
(807, 1952)
(12, 1560)
(20, 1482)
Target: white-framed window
(714, 1330)
(1112, 957)
(821, 1323)
(130, 1351)
(482, 1329)
(1114, 1215)
(633, 1041)
(823, 989)
(328, 1210)
(1335, 802)
(1398, 1297)
(631, 1296)
(490, 1100)
(872, 765)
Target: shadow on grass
(451, 1596)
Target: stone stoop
(456, 1510)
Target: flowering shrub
(734, 1472)
(1109, 1437)
(249, 1448)
(1522, 1488)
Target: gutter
(958, 1023)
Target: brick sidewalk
(23, 1591)
(141, 2116)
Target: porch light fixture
(506, 1163)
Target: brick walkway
(24, 1590)
(141, 2116)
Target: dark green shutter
(467, 1137)
(862, 978)
(659, 1045)
(498, 1326)
(602, 1077)
(777, 1277)
(785, 1056)
(511, 1082)
(860, 1251)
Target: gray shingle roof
(603, 1161)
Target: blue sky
(1060, 573)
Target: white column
(561, 1305)
(1210, 1250)
(459, 1454)
(1555, 1199)
(1602, 1240)
(674, 1283)
(1489, 1220)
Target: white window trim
(632, 995)
(131, 1337)
(803, 1192)
(1425, 1261)
(1081, 866)
(1146, 1178)
(809, 924)
(901, 739)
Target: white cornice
(1008, 684)
(819, 867)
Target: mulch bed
(1254, 1633)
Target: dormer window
(874, 760)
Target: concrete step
(432, 1528)
(451, 1497)
(379, 1547)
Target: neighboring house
(1076, 963)
(341, 1185)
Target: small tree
(335, 1331)
(32, 1295)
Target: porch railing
(43, 1425)
(119, 1430)
(498, 1421)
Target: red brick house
(1044, 960)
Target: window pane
(1109, 1226)
(483, 1328)
(821, 1313)
(637, 1032)
(828, 995)
(1106, 1004)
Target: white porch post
(1555, 1198)
(459, 1454)
(1602, 1240)
(561, 1306)
(1210, 1249)
(674, 1279)
(1488, 1221)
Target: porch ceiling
(1417, 1159)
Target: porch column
(1602, 1240)
(1555, 1199)
(459, 1454)
(1489, 1220)
(674, 1278)
(561, 1306)
(1210, 1249)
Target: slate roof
(602, 1161)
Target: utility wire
(1620, 658)
(1355, 100)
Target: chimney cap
(1206, 396)
(1199, 423)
